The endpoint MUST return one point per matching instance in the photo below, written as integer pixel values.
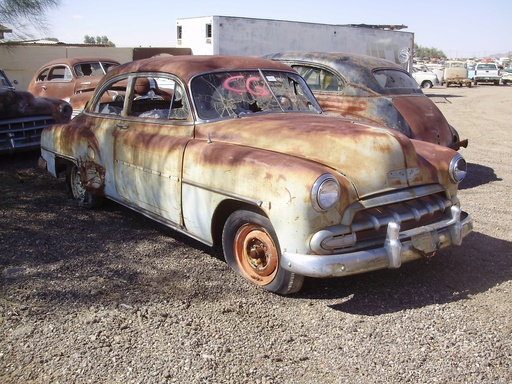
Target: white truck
(487, 73)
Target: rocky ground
(108, 296)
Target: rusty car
(372, 89)
(23, 117)
(236, 152)
(70, 79)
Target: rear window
(486, 66)
(393, 79)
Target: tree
(430, 53)
(98, 40)
(25, 15)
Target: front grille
(368, 226)
(421, 210)
(23, 132)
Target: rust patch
(93, 177)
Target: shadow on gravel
(447, 97)
(478, 175)
(481, 263)
(60, 255)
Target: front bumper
(419, 242)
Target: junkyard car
(487, 72)
(23, 117)
(236, 151)
(456, 72)
(425, 78)
(372, 89)
(5, 83)
(506, 77)
(70, 79)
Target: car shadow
(442, 98)
(453, 274)
(478, 175)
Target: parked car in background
(425, 78)
(23, 117)
(456, 72)
(506, 76)
(372, 89)
(236, 151)
(5, 83)
(70, 79)
(471, 70)
(487, 73)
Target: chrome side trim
(235, 196)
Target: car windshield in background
(233, 94)
(391, 79)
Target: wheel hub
(256, 254)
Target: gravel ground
(108, 296)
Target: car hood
(425, 120)
(374, 159)
(22, 104)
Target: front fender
(279, 184)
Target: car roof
(335, 59)
(71, 61)
(354, 68)
(187, 66)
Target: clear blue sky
(458, 28)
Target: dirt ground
(106, 295)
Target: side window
(319, 79)
(43, 76)
(158, 98)
(112, 98)
(59, 73)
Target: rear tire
(251, 248)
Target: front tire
(77, 191)
(427, 84)
(251, 248)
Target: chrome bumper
(420, 242)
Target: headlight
(458, 168)
(325, 193)
(66, 110)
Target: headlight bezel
(325, 193)
(458, 168)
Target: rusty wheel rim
(256, 254)
(77, 185)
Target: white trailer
(227, 35)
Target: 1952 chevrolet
(236, 151)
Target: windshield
(237, 93)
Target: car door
(149, 140)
